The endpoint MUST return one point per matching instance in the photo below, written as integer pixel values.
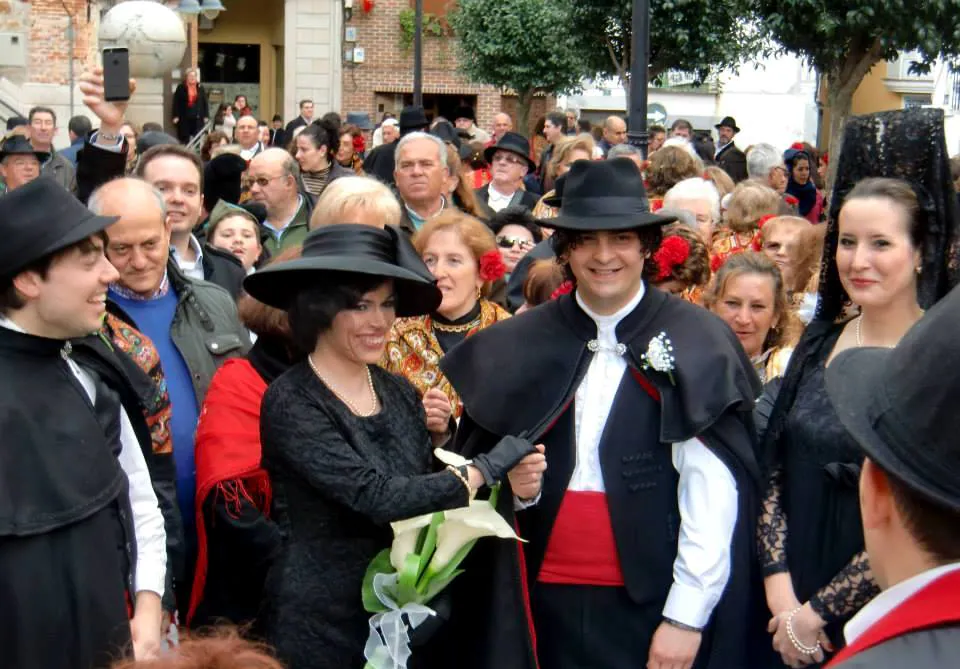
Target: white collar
(891, 598)
(497, 195)
(10, 325)
(194, 244)
(607, 325)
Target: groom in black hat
(901, 406)
(640, 520)
(730, 158)
(81, 534)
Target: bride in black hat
(345, 443)
(891, 248)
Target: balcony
(901, 80)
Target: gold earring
(479, 294)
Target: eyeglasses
(504, 157)
(511, 242)
(263, 182)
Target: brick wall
(388, 68)
(48, 48)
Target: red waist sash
(582, 549)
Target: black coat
(518, 277)
(733, 161)
(189, 119)
(298, 122)
(379, 163)
(521, 198)
(713, 400)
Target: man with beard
(641, 528)
(730, 158)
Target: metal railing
(196, 142)
(954, 87)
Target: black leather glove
(502, 458)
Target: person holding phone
(190, 108)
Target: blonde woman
(566, 152)
(750, 205)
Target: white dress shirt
(497, 200)
(890, 599)
(247, 154)
(192, 269)
(706, 494)
(151, 538)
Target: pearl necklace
(860, 338)
(339, 396)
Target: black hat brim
(277, 285)
(85, 227)
(601, 222)
(727, 125)
(39, 155)
(490, 150)
(853, 379)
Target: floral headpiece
(797, 146)
(491, 266)
(673, 251)
(564, 288)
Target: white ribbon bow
(388, 646)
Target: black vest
(641, 486)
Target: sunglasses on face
(511, 242)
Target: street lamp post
(418, 54)
(640, 51)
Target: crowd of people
(718, 395)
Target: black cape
(517, 377)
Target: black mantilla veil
(910, 145)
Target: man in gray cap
(901, 406)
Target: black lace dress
(810, 525)
(338, 481)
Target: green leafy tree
(517, 44)
(844, 40)
(699, 37)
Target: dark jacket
(96, 166)
(206, 328)
(224, 269)
(279, 138)
(70, 153)
(189, 119)
(61, 170)
(521, 198)
(298, 122)
(379, 163)
(518, 277)
(733, 161)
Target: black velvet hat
(515, 143)
(727, 122)
(351, 248)
(222, 179)
(465, 112)
(413, 118)
(18, 145)
(604, 195)
(39, 219)
(900, 404)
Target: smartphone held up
(116, 74)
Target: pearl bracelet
(806, 650)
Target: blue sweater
(154, 318)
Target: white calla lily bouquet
(424, 559)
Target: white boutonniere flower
(659, 356)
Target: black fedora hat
(513, 142)
(465, 112)
(18, 145)
(556, 199)
(901, 404)
(727, 122)
(356, 249)
(222, 179)
(604, 195)
(413, 118)
(39, 219)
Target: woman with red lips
(460, 251)
(344, 442)
(816, 572)
(236, 230)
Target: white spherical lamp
(152, 32)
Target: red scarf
(228, 452)
(936, 605)
(191, 94)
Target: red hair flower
(656, 205)
(491, 266)
(791, 200)
(564, 288)
(797, 146)
(716, 262)
(673, 251)
(763, 220)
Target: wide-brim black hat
(465, 112)
(728, 122)
(556, 199)
(412, 118)
(515, 143)
(604, 195)
(900, 404)
(18, 145)
(354, 249)
(40, 218)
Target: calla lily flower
(406, 533)
(464, 525)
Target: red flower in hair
(491, 266)
(763, 220)
(564, 288)
(673, 251)
(656, 205)
(791, 200)
(797, 146)
(716, 262)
